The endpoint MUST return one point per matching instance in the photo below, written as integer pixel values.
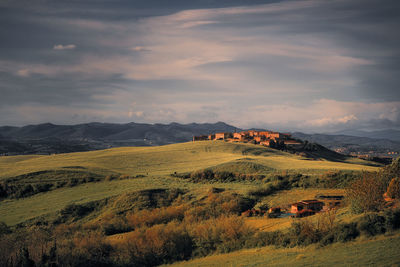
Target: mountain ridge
(49, 138)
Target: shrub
(42, 187)
(24, 259)
(4, 229)
(392, 219)
(25, 191)
(87, 249)
(224, 176)
(371, 224)
(110, 177)
(115, 225)
(366, 193)
(345, 232)
(156, 216)
(393, 190)
(75, 211)
(304, 233)
(262, 191)
(391, 171)
(164, 243)
(223, 234)
(270, 188)
(218, 204)
(261, 239)
(73, 182)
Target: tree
(393, 190)
(24, 259)
(4, 229)
(366, 193)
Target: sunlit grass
(381, 251)
(156, 164)
(163, 160)
(18, 210)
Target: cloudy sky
(312, 65)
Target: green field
(155, 164)
(381, 251)
(164, 160)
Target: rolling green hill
(146, 168)
(382, 251)
(163, 160)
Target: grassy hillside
(146, 206)
(382, 251)
(151, 166)
(163, 160)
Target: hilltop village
(265, 138)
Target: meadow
(153, 165)
(164, 160)
(380, 251)
(146, 206)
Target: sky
(307, 65)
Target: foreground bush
(223, 234)
(366, 193)
(392, 219)
(372, 224)
(164, 243)
(393, 190)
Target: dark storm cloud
(298, 64)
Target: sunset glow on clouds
(288, 65)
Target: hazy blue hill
(390, 134)
(51, 138)
(363, 143)
(111, 131)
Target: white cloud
(140, 48)
(23, 72)
(326, 121)
(64, 47)
(191, 24)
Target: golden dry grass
(380, 251)
(269, 224)
(163, 160)
(156, 163)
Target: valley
(127, 194)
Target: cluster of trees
(28, 185)
(209, 175)
(178, 231)
(328, 179)
(33, 183)
(367, 192)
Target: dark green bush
(371, 224)
(345, 232)
(224, 176)
(42, 187)
(262, 191)
(4, 229)
(304, 233)
(75, 211)
(392, 219)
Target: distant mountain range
(390, 134)
(355, 143)
(49, 138)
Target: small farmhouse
(313, 205)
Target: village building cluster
(265, 138)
